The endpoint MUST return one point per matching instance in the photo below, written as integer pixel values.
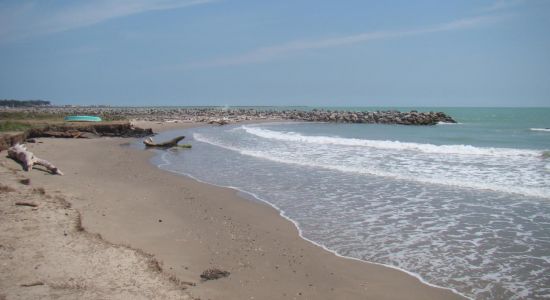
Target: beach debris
(168, 144)
(28, 160)
(32, 284)
(21, 203)
(220, 122)
(213, 274)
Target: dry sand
(46, 254)
(190, 227)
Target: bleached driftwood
(21, 154)
(171, 143)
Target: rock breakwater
(372, 117)
(221, 115)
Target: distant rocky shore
(231, 115)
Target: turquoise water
(464, 206)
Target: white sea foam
(432, 214)
(540, 129)
(397, 174)
(166, 162)
(393, 145)
(448, 123)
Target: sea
(463, 206)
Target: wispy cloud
(272, 52)
(501, 5)
(23, 19)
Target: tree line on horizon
(23, 103)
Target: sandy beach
(190, 227)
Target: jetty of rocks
(222, 115)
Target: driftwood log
(21, 154)
(171, 143)
(21, 203)
(219, 121)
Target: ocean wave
(510, 189)
(448, 123)
(166, 162)
(540, 129)
(391, 145)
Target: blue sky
(300, 52)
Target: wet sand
(191, 226)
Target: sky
(284, 52)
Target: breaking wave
(426, 173)
(393, 145)
(540, 129)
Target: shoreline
(255, 198)
(259, 200)
(239, 229)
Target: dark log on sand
(26, 204)
(21, 154)
(171, 143)
(219, 122)
(32, 284)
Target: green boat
(82, 119)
